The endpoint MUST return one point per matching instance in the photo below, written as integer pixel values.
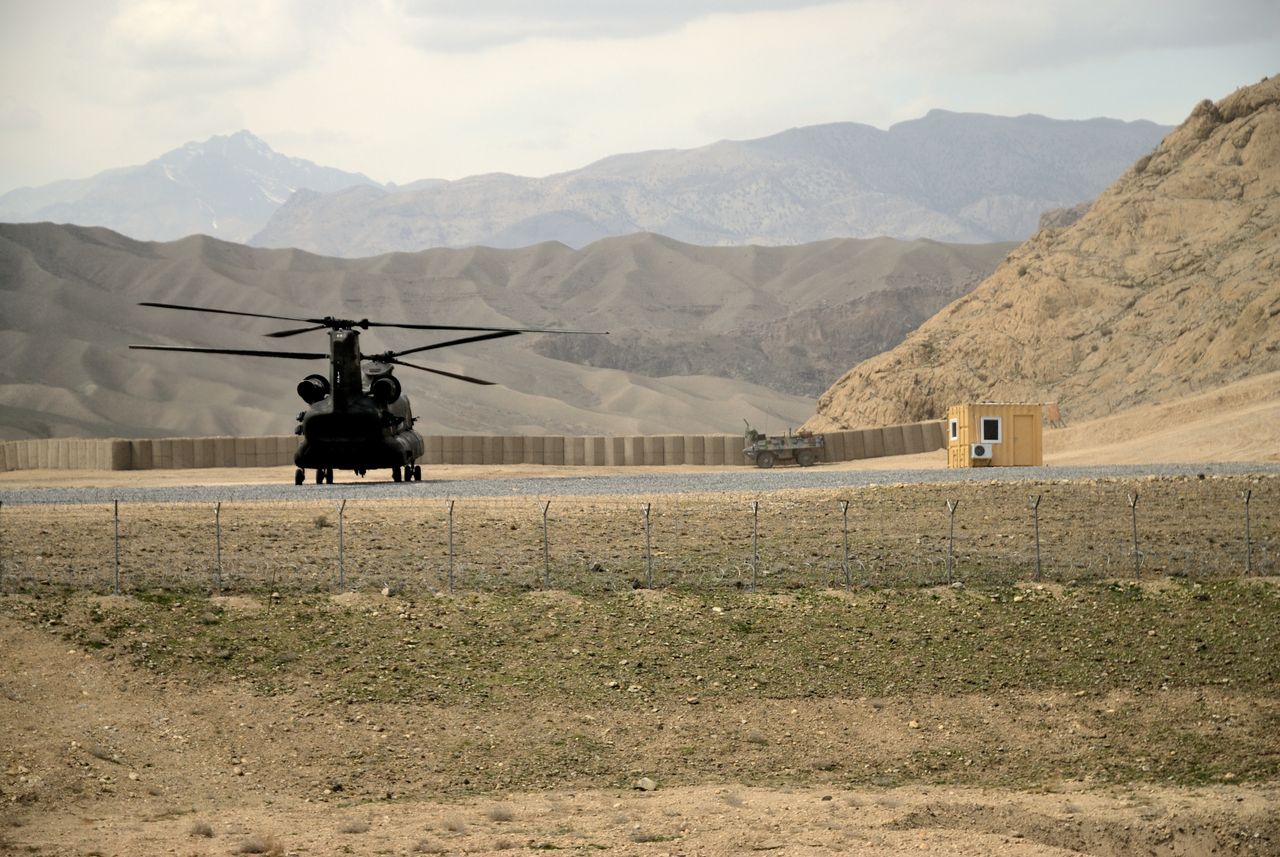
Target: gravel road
(638, 484)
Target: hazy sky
(408, 89)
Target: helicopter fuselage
(361, 421)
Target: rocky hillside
(1168, 285)
(947, 176)
(698, 330)
(226, 186)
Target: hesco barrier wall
(634, 450)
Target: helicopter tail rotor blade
(466, 378)
(290, 355)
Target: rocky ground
(1093, 715)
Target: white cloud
(403, 90)
(178, 46)
(464, 26)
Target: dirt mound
(1167, 287)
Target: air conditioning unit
(980, 450)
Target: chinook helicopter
(357, 418)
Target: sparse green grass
(1170, 682)
(497, 649)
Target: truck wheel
(805, 457)
(764, 460)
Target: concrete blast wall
(277, 451)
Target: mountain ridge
(226, 186)
(68, 311)
(966, 178)
(1164, 288)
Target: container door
(1024, 439)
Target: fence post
(116, 586)
(217, 536)
(951, 539)
(1, 551)
(755, 542)
(342, 570)
(844, 510)
(450, 547)
(1137, 554)
(1248, 541)
(546, 549)
(1034, 503)
(648, 549)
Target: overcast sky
(408, 89)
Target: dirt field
(1089, 714)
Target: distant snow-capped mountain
(227, 186)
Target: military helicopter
(358, 418)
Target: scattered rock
(645, 784)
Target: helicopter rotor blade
(230, 312)
(466, 378)
(461, 327)
(497, 334)
(363, 324)
(279, 334)
(290, 355)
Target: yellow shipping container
(995, 434)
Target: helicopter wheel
(328, 475)
(320, 476)
(417, 473)
(395, 474)
(299, 476)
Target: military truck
(802, 447)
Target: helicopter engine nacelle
(313, 388)
(385, 390)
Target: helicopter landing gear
(395, 473)
(323, 475)
(328, 475)
(299, 476)
(417, 473)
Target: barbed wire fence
(905, 536)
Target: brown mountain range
(702, 337)
(1167, 288)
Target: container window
(990, 429)
(955, 429)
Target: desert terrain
(928, 689)
(1088, 713)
